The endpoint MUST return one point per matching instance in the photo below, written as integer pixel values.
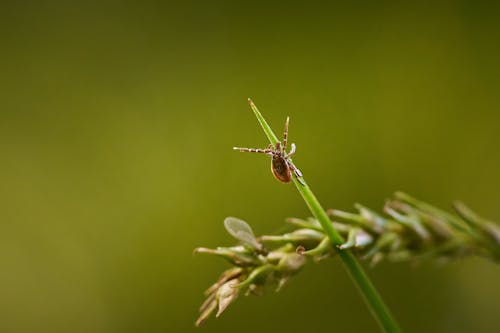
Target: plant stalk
(372, 298)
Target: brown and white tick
(281, 164)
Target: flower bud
(226, 294)
(238, 255)
(291, 263)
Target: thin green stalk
(372, 298)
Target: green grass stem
(372, 298)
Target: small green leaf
(240, 230)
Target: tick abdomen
(280, 169)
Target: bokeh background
(117, 120)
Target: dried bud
(357, 238)
(226, 276)
(291, 263)
(226, 294)
(207, 310)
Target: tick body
(281, 163)
(280, 169)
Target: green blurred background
(117, 120)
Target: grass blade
(375, 303)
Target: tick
(281, 163)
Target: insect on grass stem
(282, 170)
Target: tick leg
(292, 151)
(254, 150)
(295, 170)
(285, 133)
